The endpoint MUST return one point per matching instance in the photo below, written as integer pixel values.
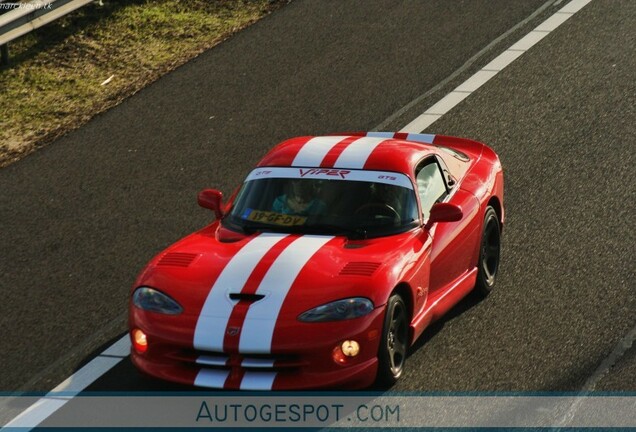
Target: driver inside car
(300, 199)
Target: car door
(452, 242)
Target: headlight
(151, 300)
(338, 310)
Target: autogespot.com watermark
(28, 6)
(307, 413)
(321, 410)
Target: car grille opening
(224, 361)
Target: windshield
(327, 201)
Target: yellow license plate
(275, 218)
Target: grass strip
(65, 73)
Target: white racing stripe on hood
(260, 321)
(357, 153)
(314, 151)
(210, 330)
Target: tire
(394, 343)
(489, 253)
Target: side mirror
(211, 199)
(445, 212)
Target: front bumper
(302, 355)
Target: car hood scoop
(249, 298)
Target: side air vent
(359, 268)
(177, 259)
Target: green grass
(53, 83)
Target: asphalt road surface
(80, 217)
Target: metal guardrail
(24, 17)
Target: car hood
(284, 273)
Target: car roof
(349, 151)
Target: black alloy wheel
(394, 343)
(489, 253)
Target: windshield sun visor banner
(386, 177)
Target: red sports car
(324, 267)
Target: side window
(430, 185)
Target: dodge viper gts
(325, 265)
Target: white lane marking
(37, 412)
(258, 380)
(528, 41)
(476, 81)
(88, 374)
(71, 386)
(260, 320)
(121, 348)
(423, 121)
(443, 105)
(315, 150)
(553, 22)
(211, 325)
(212, 378)
(439, 86)
(502, 60)
(574, 6)
(619, 350)
(590, 384)
(460, 93)
(357, 153)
